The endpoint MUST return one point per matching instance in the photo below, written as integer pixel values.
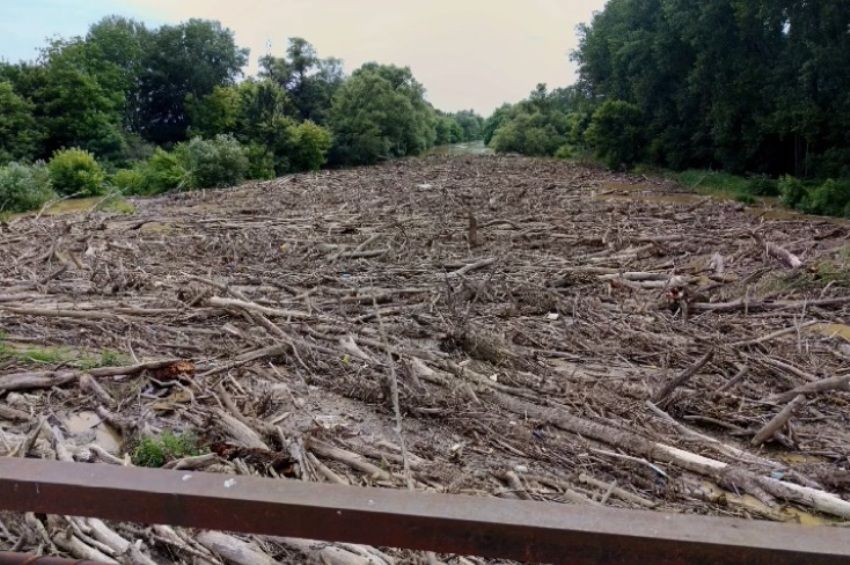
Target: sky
(468, 53)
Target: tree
(188, 59)
(19, 133)
(616, 133)
(539, 125)
(470, 123)
(79, 102)
(743, 85)
(379, 113)
(309, 81)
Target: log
(219, 302)
(241, 434)
(42, 379)
(664, 392)
(233, 549)
(628, 441)
(776, 423)
(823, 385)
(784, 255)
(132, 369)
(471, 267)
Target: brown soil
(526, 310)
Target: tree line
(751, 87)
(146, 110)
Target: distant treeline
(157, 109)
(758, 87)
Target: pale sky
(468, 53)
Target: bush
(129, 181)
(311, 145)
(260, 162)
(157, 451)
(830, 198)
(763, 186)
(76, 172)
(527, 134)
(213, 163)
(792, 192)
(161, 173)
(24, 188)
(615, 133)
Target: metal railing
(489, 527)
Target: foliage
(738, 85)
(831, 198)
(792, 191)
(79, 102)
(215, 113)
(76, 172)
(538, 126)
(260, 162)
(23, 187)
(161, 173)
(168, 446)
(213, 163)
(19, 134)
(615, 133)
(310, 145)
(380, 113)
(128, 181)
(762, 185)
(182, 61)
(310, 82)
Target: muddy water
(831, 330)
(89, 424)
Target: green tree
(190, 58)
(310, 82)
(380, 113)
(19, 133)
(310, 146)
(79, 102)
(616, 133)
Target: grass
(156, 451)
(726, 185)
(48, 355)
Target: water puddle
(89, 425)
(831, 330)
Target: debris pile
(493, 326)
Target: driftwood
(664, 392)
(42, 379)
(832, 383)
(777, 422)
(519, 347)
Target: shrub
(213, 163)
(830, 198)
(763, 185)
(792, 192)
(260, 162)
(24, 187)
(162, 172)
(76, 172)
(157, 451)
(129, 181)
(527, 134)
(566, 152)
(615, 133)
(311, 145)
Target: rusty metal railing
(522, 530)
